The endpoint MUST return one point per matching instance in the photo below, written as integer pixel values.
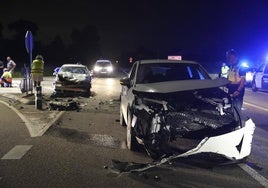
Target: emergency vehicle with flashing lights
(260, 78)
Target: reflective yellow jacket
(7, 75)
(37, 66)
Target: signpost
(29, 47)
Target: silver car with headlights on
(103, 68)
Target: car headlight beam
(97, 68)
(110, 69)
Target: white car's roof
(103, 60)
(165, 61)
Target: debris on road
(118, 166)
(64, 104)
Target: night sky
(208, 27)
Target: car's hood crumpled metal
(73, 77)
(183, 85)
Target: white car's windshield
(103, 63)
(162, 72)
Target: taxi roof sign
(174, 57)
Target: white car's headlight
(97, 68)
(110, 69)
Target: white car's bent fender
(235, 145)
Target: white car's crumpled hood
(184, 85)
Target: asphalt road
(78, 151)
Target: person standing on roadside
(236, 76)
(37, 70)
(10, 65)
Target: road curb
(36, 121)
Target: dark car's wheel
(254, 87)
(132, 143)
(88, 93)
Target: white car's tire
(122, 120)
(132, 143)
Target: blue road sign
(29, 41)
(29, 47)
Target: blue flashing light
(266, 58)
(245, 64)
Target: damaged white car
(72, 79)
(175, 108)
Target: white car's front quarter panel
(127, 96)
(127, 99)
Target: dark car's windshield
(74, 70)
(162, 72)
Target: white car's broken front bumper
(235, 145)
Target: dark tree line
(84, 46)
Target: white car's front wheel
(132, 143)
(122, 120)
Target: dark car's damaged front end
(72, 79)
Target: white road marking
(17, 152)
(254, 174)
(23, 118)
(255, 106)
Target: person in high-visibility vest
(37, 70)
(224, 70)
(236, 76)
(6, 78)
